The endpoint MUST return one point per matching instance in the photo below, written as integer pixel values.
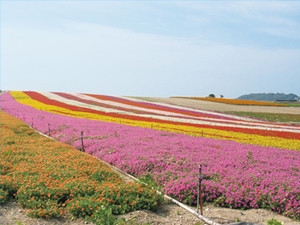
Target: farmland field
(235, 101)
(248, 163)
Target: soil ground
(11, 213)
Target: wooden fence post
(199, 194)
(82, 146)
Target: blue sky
(151, 48)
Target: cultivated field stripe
(206, 121)
(286, 140)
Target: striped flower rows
(264, 134)
(235, 101)
(237, 175)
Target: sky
(151, 48)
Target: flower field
(173, 119)
(49, 178)
(235, 101)
(247, 163)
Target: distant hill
(270, 97)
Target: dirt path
(11, 213)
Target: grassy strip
(296, 104)
(50, 179)
(272, 117)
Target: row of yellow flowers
(194, 131)
(49, 178)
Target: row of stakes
(81, 137)
(202, 133)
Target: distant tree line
(270, 97)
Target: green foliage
(237, 219)
(197, 223)
(272, 117)
(3, 196)
(41, 200)
(273, 222)
(7, 189)
(119, 200)
(104, 216)
(5, 167)
(220, 201)
(45, 209)
(150, 181)
(101, 176)
(296, 104)
(21, 129)
(81, 200)
(83, 206)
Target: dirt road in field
(221, 107)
